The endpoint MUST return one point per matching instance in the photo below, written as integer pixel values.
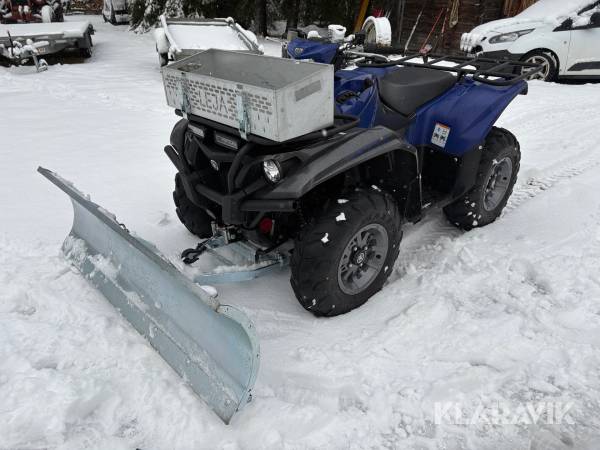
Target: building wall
(470, 14)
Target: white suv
(561, 35)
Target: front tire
(346, 253)
(195, 219)
(496, 177)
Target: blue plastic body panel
(308, 49)
(470, 109)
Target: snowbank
(507, 314)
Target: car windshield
(553, 9)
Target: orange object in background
(362, 14)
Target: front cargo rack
(485, 70)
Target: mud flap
(212, 346)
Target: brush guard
(212, 346)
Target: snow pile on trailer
(52, 29)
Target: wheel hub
(544, 63)
(362, 259)
(498, 183)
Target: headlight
(272, 170)
(509, 37)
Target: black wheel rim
(497, 184)
(363, 259)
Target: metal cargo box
(275, 98)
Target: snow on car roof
(553, 9)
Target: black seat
(407, 88)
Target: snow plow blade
(212, 346)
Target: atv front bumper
(233, 205)
(234, 183)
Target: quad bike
(26, 11)
(290, 162)
(408, 133)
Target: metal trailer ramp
(212, 346)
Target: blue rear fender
(469, 109)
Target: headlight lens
(509, 37)
(272, 170)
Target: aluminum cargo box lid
(260, 71)
(275, 98)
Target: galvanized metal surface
(180, 50)
(213, 347)
(281, 98)
(251, 266)
(46, 39)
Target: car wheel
(163, 58)
(546, 61)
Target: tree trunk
(292, 14)
(397, 11)
(260, 17)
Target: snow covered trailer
(179, 38)
(19, 43)
(211, 345)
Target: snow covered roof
(553, 9)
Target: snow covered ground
(505, 315)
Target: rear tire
(195, 219)
(496, 177)
(345, 255)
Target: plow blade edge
(212, 346)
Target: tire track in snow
(429, 242)
(536, 185)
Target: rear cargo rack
(485, 70)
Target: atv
(294, 162)
(408, 133)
